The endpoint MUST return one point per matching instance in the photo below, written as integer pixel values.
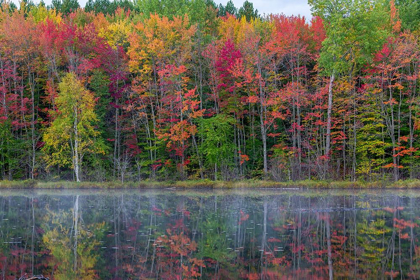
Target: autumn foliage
(208, 92)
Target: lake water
(166, 234)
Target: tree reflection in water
(210, 235)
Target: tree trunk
(33, 138)
(263, 126)
(330, 102)
(76, 149)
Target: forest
(189, 89)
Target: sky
(287, 7)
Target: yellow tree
(72, 133)
(160, 55)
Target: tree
(228, 9)
(394, 77)
(99, 6)
(247, 11)
(65, 6)
(409, 13)
(166, 8)
(353, 32)
(159, 48)
(217, 146)
(107, 7)
(72, 133)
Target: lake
(210, 234)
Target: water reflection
(210, 235)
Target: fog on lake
(237, 234)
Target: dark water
(210, 234)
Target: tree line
(162, 90)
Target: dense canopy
(187, 89)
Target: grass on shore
(307, 184)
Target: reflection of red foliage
(404, 236)
(390, 210)
(402, 224)
(171, 248)
(272, 239)
(244, 217)
(393, 274)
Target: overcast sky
(287, 7)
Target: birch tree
(72, 133)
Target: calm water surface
(263, 234)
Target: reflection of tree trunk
(76, 223)
(32, 238)
(299, 232)
(264, 236)
(149, 234)
(116, 249)
(355, 236)
(330, 267)
(412, 244)
(399, 254)
(393, 244)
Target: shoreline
(203, 184)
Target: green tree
(107, 6)
(409, 11)
(354, 31)
(65, 6)
(228, 9)
(72, 133)
(247, 11)
(99, 6)
(217, 147)
(199, 11)
(166, 8)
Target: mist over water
(262, 234)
